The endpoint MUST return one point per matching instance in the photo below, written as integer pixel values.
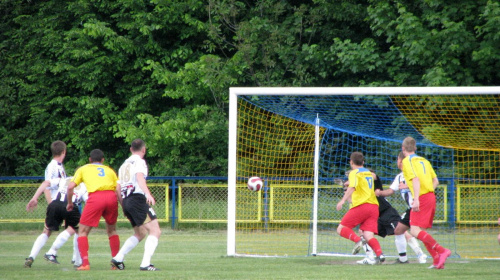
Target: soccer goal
(298, 140)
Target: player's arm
(118, 191)
(142, 183)
(69, 196)
(384, 193)
(34, 201)
(346, 197)
(416, 194)
(48, 197)
(435, 182)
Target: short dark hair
(96, 155)
(357, 158)
(57, 148)
(137, 144)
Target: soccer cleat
(366, 261)
(29, 261)
(422, 258)
(117, 265)
(442, 258)
(379, 260)
(358, 247)
(431, 267)
(83, 267)
(149, 268)
(398, 261)
(51, 258)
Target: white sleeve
(395, 184)
(141, 167)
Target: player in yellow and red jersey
(421, 180)
(101, 182)
(364, 209)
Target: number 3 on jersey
(101, 172)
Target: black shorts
(137, 211)
(57, 213)
(387, 222)
(405, 218)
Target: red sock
(429, 242)
(114, 244)
(434, 254)
(375, 246)
(83, 246)
(348, 233)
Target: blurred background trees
(98, 74)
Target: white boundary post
(316, 183)
(231, 174)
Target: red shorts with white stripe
(365, 215)
(100, 204)
(424, 217)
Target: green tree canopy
(97, 74)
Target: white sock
(369, 252)
(129, 244)
(401, 246)
(60, 240)
(149, 249)
(37, 246)
(415, 246)
(77, 259)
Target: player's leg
(114, 239)
(369, 225)
(76, 260)
(348, 233)
(51, 255)
(37, 246)
(375, 245)
(110, 215)
(131, 242)
(83, 246)
(351, 219)
(153, 228)
(423, 219)
(415, 246)
(400, 241)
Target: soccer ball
(255, 184)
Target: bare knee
(400, 229)
(339, 229)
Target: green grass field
(201, 254)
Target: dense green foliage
(97, 74)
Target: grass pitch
(201, 254)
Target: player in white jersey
(136, 201)
(54, 175)
(402, 227)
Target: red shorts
(100, 204)
(424, 217)
(365, 215)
